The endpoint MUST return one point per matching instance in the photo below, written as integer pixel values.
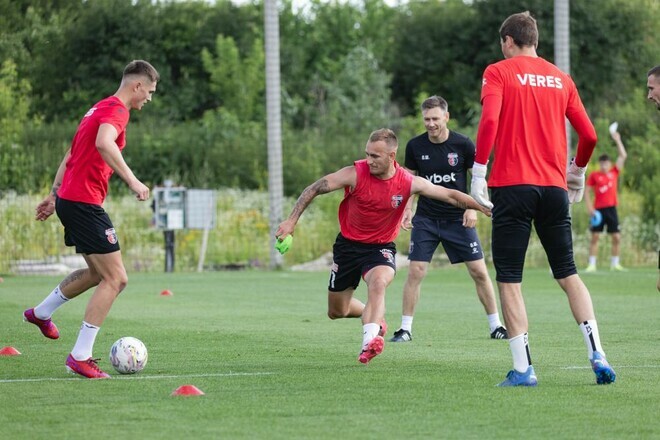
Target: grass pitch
(272, 365)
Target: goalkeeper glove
(479, 187)
(575, 182)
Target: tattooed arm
(332, 182)
(451, 196)
(47, 207)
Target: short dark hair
(654, 71)
(386, 135)
(142, 68)
(604, 158)
(435, 101)
(522, 28)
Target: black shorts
(351, 260)
(87, 227)
(515, 208)
(610, 218)
(460, 243)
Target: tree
(238, 82)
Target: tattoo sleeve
(74, 276)
(319, 187)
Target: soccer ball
(128, 355)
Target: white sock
(494, 321)
(85, 343)
(592, 260)
(406, 322)
(369, 331)
(615, 261)
(520, 351)
(51, 303)
(591, 337)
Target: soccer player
(79, 189)
(443, 157)
(525, 100)
(376, 190)
(653, 85)
(603, 184)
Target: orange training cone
(166, 292)
(187, 390)
(9, 351)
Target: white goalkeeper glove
(575, 182)
(479, 187)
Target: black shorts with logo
(460, 243)
(87, 227)
(610, 219)
(514, 210)
(351, 260)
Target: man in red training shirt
(604, 186)
(79, 189)
(525, 100)
(376, 190)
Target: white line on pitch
(138, 377)
(615, 366)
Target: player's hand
(285, 229)
(575, 182)
(45, 209)
(470, 218)
(140, 189)
(406, 221)
(479, 187)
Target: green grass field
(273, 366)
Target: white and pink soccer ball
(128, 355)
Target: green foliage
(15, 160)
(238, 82)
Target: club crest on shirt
(452, 158)
(111, 235)
(397, 200)
(388, 255)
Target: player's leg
(593, 251)
(97, 241)
(424, 240)
(512, 217)
(614, 232)
(76, 219)
(344, 278)
(377, 279)
(486, 294)
(462, 245)
(553, 225)
(417, 270)
(113, 280)
(344, 305)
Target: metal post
(273, 123)
(562, 49)
(168, 234)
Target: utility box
(169, 207)
(176, 207)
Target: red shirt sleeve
(587, 138)
(488, 124)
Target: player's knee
(117, 282)
(417, 273)
(479, 274)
